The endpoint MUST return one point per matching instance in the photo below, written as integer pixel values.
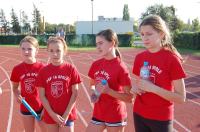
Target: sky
(69, 11)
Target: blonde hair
(159, 25)
(110, 36)
(55, 40)
(33, 41)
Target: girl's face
(56, 53)
(103, 46)
(151, 38)
(28, 52)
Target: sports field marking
(11, 103)
(194, 102)
(196, 67)
(195, 95)
(3, 82)
(82, 119)
(4, 61)
(82, 84)
(181, 125)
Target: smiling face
(28, 52)
(56, 53)
(151, 38)
(104, 47)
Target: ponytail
(117, 52)
(170, 47)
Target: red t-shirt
(164, 68)
(26, 74)
(108, 108)
(57, 82)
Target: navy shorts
(69, 123)
(29, 113)
(109, 124)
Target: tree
(166, 13)
(195, 25)
(38, 25)
(4, 24)
(126, 15)
(14, 22)
(25, 22)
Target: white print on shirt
(56, 89)
(102, 73)
(57, 77)
(33, 74)
(152, 74)
(155, 68)
(28, 83)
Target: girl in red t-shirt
(110, 109)
(24, 74)
(153, 107)
(58, 88)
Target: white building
(116, 24)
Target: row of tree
(37, 25)
(169, 15)
(24, 25)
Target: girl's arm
(57, 118)
(125, 96)
(16, 91)
(178, 96)
(135, 90)
(71, 102)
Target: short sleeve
(136, 66)
(75, 77)
(40, 82)
(176, 69)
(91, 72)
(15, 75)
(125, 79)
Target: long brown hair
(159, 25)
(110, 36)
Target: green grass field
(72, 48)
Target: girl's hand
(145, 85)
(136, 91)
(94, 98)
(58, 119)
(19, 99)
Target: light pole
(92, 15)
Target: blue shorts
(69, 123)
(109, 124)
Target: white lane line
(6, 90)
(195, 95)
(82, 84)
(11, 103)
(191, 74)
(3, 82)
(194, 102)
(4, 61)
(82, 119)
(197, 67)
(181, 125)
(1, 90)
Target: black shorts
(147, 125)
(109, 124)
(29, 113)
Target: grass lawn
(75, 48)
